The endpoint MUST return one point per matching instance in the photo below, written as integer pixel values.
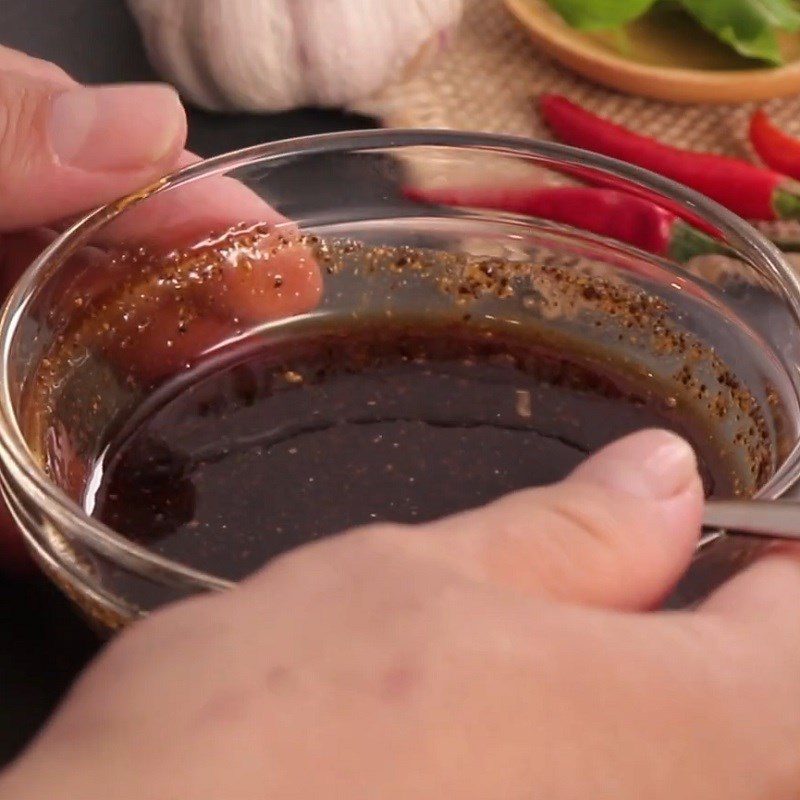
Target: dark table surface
(43, 644)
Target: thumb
(619, 532)
(765, 598)
(64, 149)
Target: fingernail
(651, 465)
(116, 128)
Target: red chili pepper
(604, 180)
(777, 149)
(748, 190)
(606, 212)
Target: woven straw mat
(490, 74)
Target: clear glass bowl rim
(67, 515)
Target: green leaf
(746, 25)
(598, 14)
(780, 13)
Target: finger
(153, 315)
(766, 598)
(164, 222)
(63, 150)
(167, 220)
(752, 624)
(16, 61)
(619, 532)
(194, 211)
(155, 335)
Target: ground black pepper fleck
(468, 412)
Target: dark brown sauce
(280, 444)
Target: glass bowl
(378, 224)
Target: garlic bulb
(272, 55)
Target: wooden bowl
(664, 55)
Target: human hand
(506, 652)
(65, 149)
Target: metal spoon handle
(774, 519)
